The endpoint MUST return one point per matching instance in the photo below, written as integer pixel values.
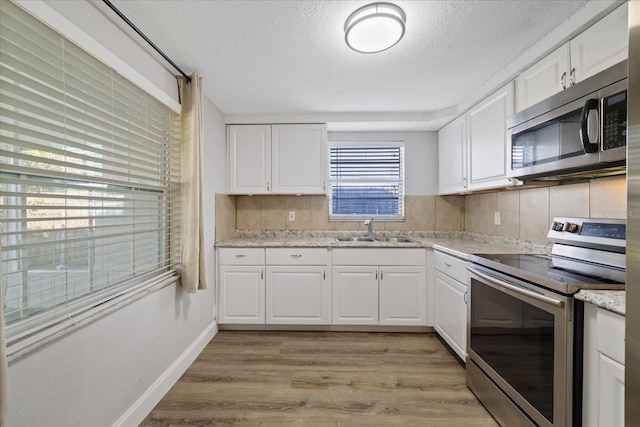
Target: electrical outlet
(292, 216)
(496, 218)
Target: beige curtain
(193, 269)
(4, 368)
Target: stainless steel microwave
(581, 131)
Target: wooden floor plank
(269, 379)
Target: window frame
(401, 216)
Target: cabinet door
(242, 294)
(543, 79)
(354, 295)
(403, 296)
(600, 46)
(488, 142)
(298, 295)
(451, 313)
(249, 161)
(610, 393)
(452, 156)
(299, 154)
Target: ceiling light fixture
(374, 27)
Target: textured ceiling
(261, 58)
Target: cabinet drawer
(451, 266)
(610, 334)
(241, 256)
(297, 256)
(392, 257)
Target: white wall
(115, 369)
(420, 153)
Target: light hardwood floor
(322, 379)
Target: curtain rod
(141, 34)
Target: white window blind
(366, 180)
(89, 174)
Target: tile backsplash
(524, 214)
(422, 213)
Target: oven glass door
(523, 342)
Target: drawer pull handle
(465, 297)
(241, 256)
(296, 256)
(447, 264)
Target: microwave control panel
(614, 121)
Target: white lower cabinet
(297, 286)
(298, 289)
(241, 286)
(603, 387)
(298, 295)
(403, 296)
(354, 297)
(364, 292)
(450, 301)
(451, 313)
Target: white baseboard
(141, 408)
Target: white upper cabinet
(452, 156)
(488, 143)
(602, 45)
(547, 77)
(597, 48)
(298, 155)
(278, 159)
(473, 149)
(249, 161)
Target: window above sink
(366, 179)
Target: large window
(367, 180)
(89, 175)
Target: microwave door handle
(587, 145)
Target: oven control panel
(609, 231)
(597, 233)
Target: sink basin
(376, 239)
(355, 239)
(396, 240)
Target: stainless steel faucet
(369, 224)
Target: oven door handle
(517, 289)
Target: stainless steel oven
(581, 129)
(525, 328)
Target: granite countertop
(614, 301)
(458, 244)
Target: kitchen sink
(396, 240)
(376, 239)
(355, 239)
